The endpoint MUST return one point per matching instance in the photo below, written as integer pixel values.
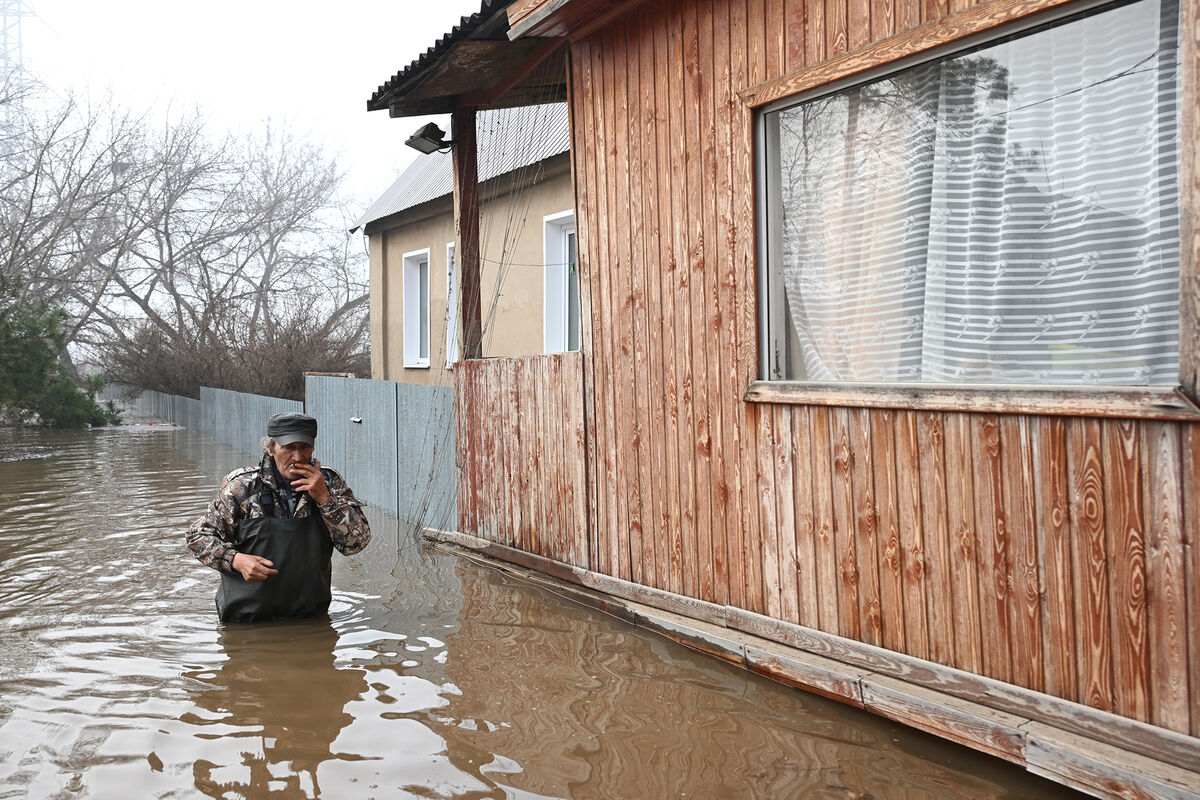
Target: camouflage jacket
(211, 537)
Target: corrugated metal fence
(240, 420)
(393, 442)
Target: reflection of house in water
(280, 693)
(559, 701)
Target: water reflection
(252, 697)
(432, 677)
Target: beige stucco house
(529, 288)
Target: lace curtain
(1009, 215)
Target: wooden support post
(466, 219)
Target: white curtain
(1008, 215)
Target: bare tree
(183, 259)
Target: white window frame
(416, 312)
(451, 308)
(875, 62)
(556, 286)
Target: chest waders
(300, 549)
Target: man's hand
(254, 568)
(308, 478)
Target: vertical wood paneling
(645, 164)
(849, 621)
(883, 18)
(937, 535)
(1020, 503)
(749, 69)
(933, 10)
(858, 23)
(1166, 575)
(966, 631)
(1191, 563)
(610, 533)
(670, 537)
(797, 33)
(1056, 553)
(807, 607)
(697, 139)
(991, 528)
(1058, 631)
(527, 508)
(640, 78)
(887, 531)
(828, 575)
(908, 14)
(837, 38)
(776, 36)
(865, 524)
(910, 539)
(785, 480)
(583, 166)
(1127, 567)
(555, 407)
(709, 280)
(678, 268)
(521, 422)
(624, 387)
(814, 34)
(1092, 611)
(722, 273)
(768, 511)
(512, 454)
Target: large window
(416, 309)
(1003, 215)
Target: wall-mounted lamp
(428, 138)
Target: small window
(1003, 215)
(416, 309)
(561, 299)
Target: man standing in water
(272, 528)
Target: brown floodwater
(431, 677)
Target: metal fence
(240, 420)
(183, 411)
(393, 442)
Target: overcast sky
(299, 63)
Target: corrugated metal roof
(466, 28)
(508, 139)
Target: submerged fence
(393, 442)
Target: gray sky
(304, 64)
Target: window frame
(413, 313)
(960, 32)
(556, 285)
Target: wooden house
(527, 224)
(890, 351)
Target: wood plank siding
(1049, 549)
(520, 445)
(1045, 551)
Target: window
(416, 308)
(1006, 215)
(561, 298)
(451, 308)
